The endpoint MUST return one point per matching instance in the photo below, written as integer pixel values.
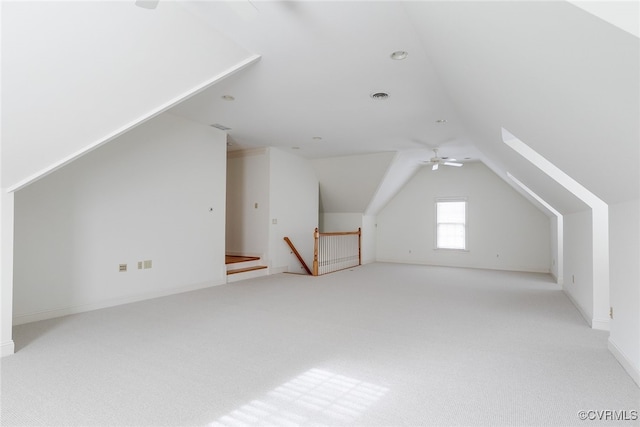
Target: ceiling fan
(436, 161)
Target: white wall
(294, 207)
(553, 223)
(6, 272)
(505, 231)
(578, 261)
(348, 221)
(350, 183)
(156, 193)
(247, 229)
(624, 339)
(340, 221)
(369, 238)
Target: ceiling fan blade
(453, 164)
(435, 167)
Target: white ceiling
(320, 63)
(557, 77)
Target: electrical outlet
(122, 268)
(139, 265)
(147, 263)
(274, 221)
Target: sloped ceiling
(557, 77)
(562, 80)
(76, 73)
(340, 176)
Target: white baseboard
(600, 324)
(633, 372)
(559, 280)
(7, 348)
(65, 311)
(494, 268)
(238, 277)
(584, 314)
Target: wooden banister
(316, 237)
(297, 254)
(359, 245)
(341, 233)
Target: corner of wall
(584, 314)
(7, 348)
(627, 364)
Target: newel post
(359, 245)
(316, 237)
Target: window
(451, 224)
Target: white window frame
(466, 223)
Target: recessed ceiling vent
(219, 126)
(380, 95)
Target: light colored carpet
(381, 344)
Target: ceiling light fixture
(295, 148)
(399, 55)
(219, 126)
(228, 98)
(379, 95)
(317, 138)
(441, 121)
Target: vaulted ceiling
(559, 78)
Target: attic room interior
(488, 152)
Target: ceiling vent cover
(219, 126)
(380, 95)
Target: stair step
(243, 270)
(233, 259)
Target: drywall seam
(151, 114)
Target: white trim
(65, 311)
(626, 363)
(7, 348)
(559, 280)
(279, 270)
(430, 264)
(246, 275)
(600, 324)
(594, 323)
(584, 314)
(127, 127)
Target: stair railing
(297, 254)
(336, 251)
